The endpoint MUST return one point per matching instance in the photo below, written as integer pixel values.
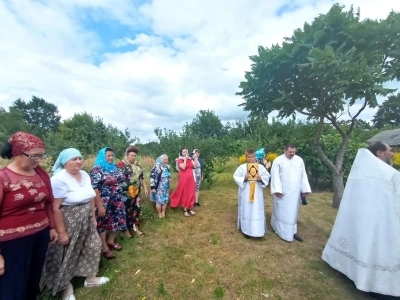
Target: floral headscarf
(22, 141)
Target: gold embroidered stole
(252, 172)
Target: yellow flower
(396, 159)
(271, 156)
(242, 159)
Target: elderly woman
(133, 184)
(160, 179)
(78, 250)
(26, 217)
(184, 194)
(110, 213)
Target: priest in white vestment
(289, 182)
(364, 243)
(251, 209)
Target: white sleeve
(305, 185)
(238, 176)
(264, 176)
(276, 184)
(59, 187)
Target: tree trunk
(338, 188)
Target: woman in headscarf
(160, 179)
(184, 194)
(26, 217)
(78, 250)
(110, 208)
(132, 186)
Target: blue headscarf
(64, 157)
(159, 159)
(101, 160)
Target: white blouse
(73, 192)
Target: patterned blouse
(133, 178)
(26, 204)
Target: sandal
(191, 212)
(108, 254)
(103, 280)
(186, 214)
(115, 246)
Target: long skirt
(23, 265)
(81, 256)
(133, 211)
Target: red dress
(184, 194)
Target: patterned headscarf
(101, 160)
(22, 141)
(64, 157)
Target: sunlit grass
(205, 257)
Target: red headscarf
(23, 141)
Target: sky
(146, 64)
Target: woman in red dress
(184, 194)
(26, 217)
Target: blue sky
(144, 65)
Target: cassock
(288, 177)
(364, 243)
(251, 212)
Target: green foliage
(88, 134)
(205, 125)
(322, 71)
(388, 113)
(11, 122)
(40, 116)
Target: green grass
(205, 257)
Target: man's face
(290, 152)
(386, 156)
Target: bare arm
(182, 165)
(58, 218)
(97, 199)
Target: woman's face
(184, 152)
(131, 157)
(165, 160)
(110, 156)
(74, 165)
(30, 159)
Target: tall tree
(11, 122)
(330, 67)
(205, 125)
(88, 134)
(388, 113)
(40, 116)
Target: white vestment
(365, 240)
(288, 177)
(251, 215)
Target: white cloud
(193, 58)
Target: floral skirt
(81, 256)
(115, 218)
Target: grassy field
(205, 257)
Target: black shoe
(297, 238)
(197, 204)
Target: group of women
(53, 229)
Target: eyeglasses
(35, 156)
